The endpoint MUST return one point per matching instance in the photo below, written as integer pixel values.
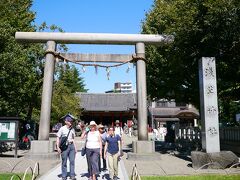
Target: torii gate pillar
(149, 146)
(45, 116)
(141, 92)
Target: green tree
(71, 78)
(202, 28)
(67, 83)
(64, 101)
(20, 65)
(228, 111)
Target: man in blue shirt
(112, 151)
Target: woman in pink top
(93, 150)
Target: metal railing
(135, 175)
(34, 171)
(188, 133)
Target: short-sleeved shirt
(113, 144)
(93, 140)
(118, 130)
(103, 136)
(63, 132)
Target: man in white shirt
(118, 129)
(68, 132)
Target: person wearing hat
(118, 129)
(93, 150)
(68, 133)
(103, 135)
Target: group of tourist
(101, 145)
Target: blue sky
(97, 16)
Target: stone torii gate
(139, 40)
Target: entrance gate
(121, 39)
(88, 38)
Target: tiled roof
(188, 112)
(164, 111)
(167, 119)
(108, 101)
(126, 101)
(173, 112)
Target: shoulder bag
(63, 142)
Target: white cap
(92, 123)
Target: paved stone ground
(51, 169)
(10, 164)
(81, 171)
(169, 164)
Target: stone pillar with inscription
(209, 105)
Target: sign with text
(209, 105)
(7, 131)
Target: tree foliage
(19, 75)
(22, 67)
(64, 101)
(228, 111)
(202, 28)
(71, 78)
(67, 83)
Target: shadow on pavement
(172, 149)
(85, 175)
(10, 156)
(106, 176)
